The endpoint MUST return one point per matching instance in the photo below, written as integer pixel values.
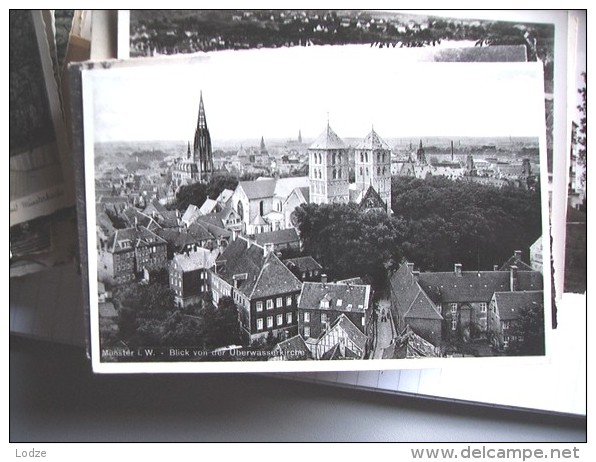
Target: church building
(198, 164)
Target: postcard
(286, 209)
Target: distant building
(342, 339)
(198, 164)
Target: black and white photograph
(293, 207)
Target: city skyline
(401, 98)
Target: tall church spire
(202, 153)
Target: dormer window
(339, 302)
(324, 303)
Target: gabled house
(305, 268)
(322, 303)
(264, 289)
(458, 300)
(189, 276)
(186, 239)
(291, 349)
(504, 309)
(283, 239)
(408, 344)
(341, 340)
(296, 198)
(128, 252)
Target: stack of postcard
(294, 190)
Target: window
(269, 321)
(269, 304)
(306, 316)
(483, 307)
(453, 308)
(453, 324)
(288, 300)
(339, 302)
(288, 318)
(323, 317)
(505, 325)
(280, 319)
(279, 302)
(306, 332)
(260, 324)
(440, 308)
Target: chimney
(513, 278)
(457, 269)
(416, 274)
(517, 255)
(495, 267)
(268, 248)
(324, 278)
(234, 234)
(410, 267)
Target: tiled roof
(265, 275)
(294, 348)
(474, 286)
(199, 259)
(509, 304)
(339, 352)
(274, 278)
(422, 308)
(353, 333)
(131, 238)
(342, 297)
(410, 345)
(328, 140)
(373, 142)
(280, 236)
(179, 238)
(307, 263)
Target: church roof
(373, 142)
(259, 189)
(328, 140)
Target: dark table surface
(55, 397)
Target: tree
(528, 331)
(195, 194)
(582, 138)
(219, 182)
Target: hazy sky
(275, 92)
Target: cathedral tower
(373, 167)
(202, 153)
(328, 169)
